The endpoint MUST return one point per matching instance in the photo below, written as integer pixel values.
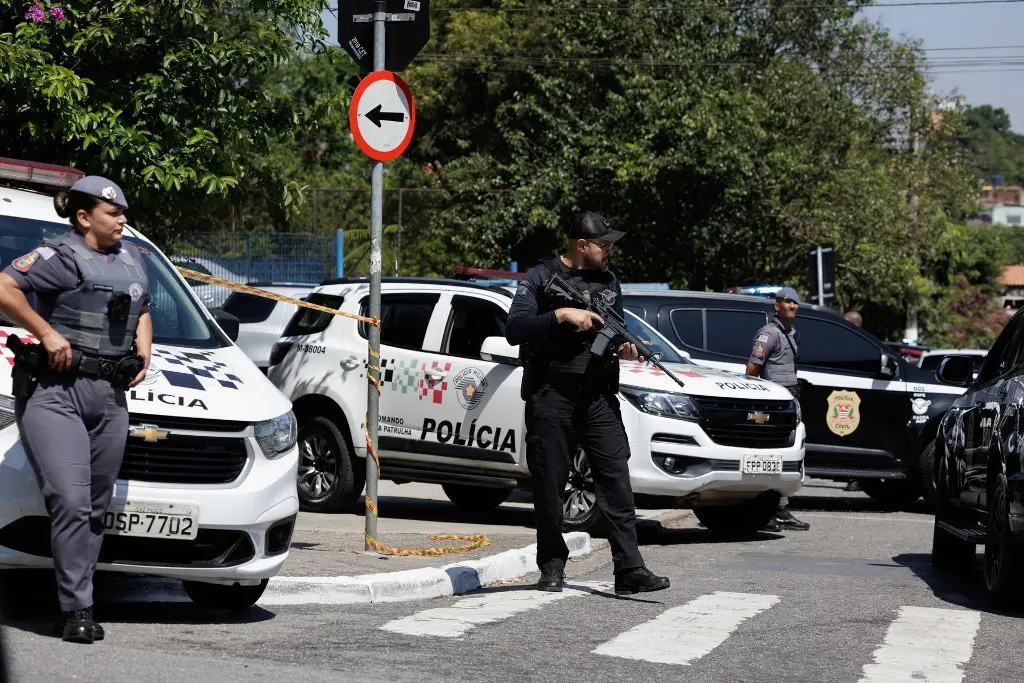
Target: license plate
(152, 520)
(761, 464)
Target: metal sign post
(821, 277)
(373, 358)
(382, 117)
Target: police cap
(101, 188)
(592, 226)
(787, 293)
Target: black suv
(870, 415)
(979, 458)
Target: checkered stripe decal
(194, 370)
(6, 352)
(399, 375)
(434, 389)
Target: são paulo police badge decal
(843, 414)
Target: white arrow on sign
(382, 115)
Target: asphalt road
(852, 600)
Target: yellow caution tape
(477, 541)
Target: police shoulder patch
(23, 263)
(758, 350)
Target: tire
(329, 479)
(476, 498)
(892, 492)
(927, 476)
(580, 511)
(949, 553)
(744, 519)
(234, 597)
(1004, 555)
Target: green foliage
(994, 149)
(169, 99)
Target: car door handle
(435, 375)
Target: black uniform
(571, 401)
(73, 424)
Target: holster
(118, 371)
(29, 361)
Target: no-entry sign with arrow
(382, 115)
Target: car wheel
(949, 553)
(329, 480)
(1004, 556)
(927, 476)
(230, 597)
(743, 519)
(476, 498)
(892, 492)
(580, 511)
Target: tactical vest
(780, 367)
(99, 316)
(567, 350)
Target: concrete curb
(414, 584)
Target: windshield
(638, 328)
(177, 319)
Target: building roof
(1013, 276)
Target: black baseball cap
(592, 226)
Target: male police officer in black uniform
(571, 399)
(774, 356)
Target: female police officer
(92, 298)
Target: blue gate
(267, 257)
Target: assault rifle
(614, 332)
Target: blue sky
(967, 26)
(956, 26)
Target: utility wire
(677, 8)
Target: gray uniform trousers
(73, 430)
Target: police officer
(774, 356)
(95, 333)
(571, 400)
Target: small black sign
(406, 31)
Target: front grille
(181, 459)
(726, 422)
(189, 423)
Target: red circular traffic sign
(382, 115)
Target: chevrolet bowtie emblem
(150, 433)
(758, 417)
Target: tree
(170, 99)
(724, 139)
(994, 149)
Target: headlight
(276, 437)
(679, 406)
(799, 413)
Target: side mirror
(227, 322)
(956, 370)
(498, 350)
(889, 366)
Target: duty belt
(579, 382)
(96, 366)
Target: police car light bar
(39, 173)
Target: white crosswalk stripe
(684, 634)
(922, 644)
(925, 645)
(455, 621)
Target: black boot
(785, 519)
(79, 626)
(639, 580)
(551, 580)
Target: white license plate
(761, 464)
(152, 520)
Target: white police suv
(451, 412)
(206, 491)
